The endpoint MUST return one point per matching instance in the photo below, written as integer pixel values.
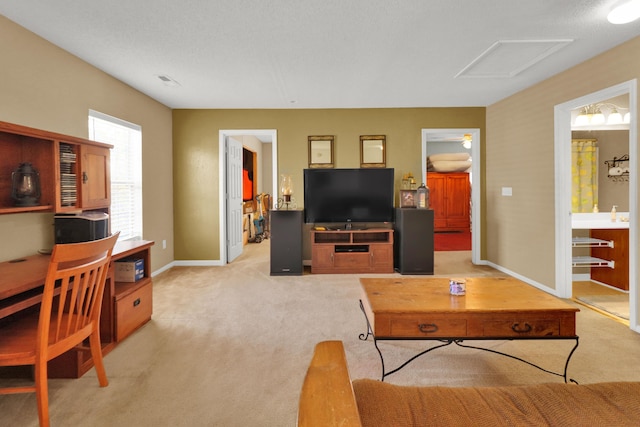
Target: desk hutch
(74, 177)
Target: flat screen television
(348, 195)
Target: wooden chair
(69, 314)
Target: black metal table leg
(459, 342)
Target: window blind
(126, 171)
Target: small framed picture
(321, 151)
(373, 151)
(407, 198)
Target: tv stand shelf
(352, 251)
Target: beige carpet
(618, 305)
(229, 346)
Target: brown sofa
(330, 398)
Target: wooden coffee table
(494, 308)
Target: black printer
(81, 227)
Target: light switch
(507, 191)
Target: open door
(234, 198)
(430, 139)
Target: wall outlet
(164, 244)
(507, 191)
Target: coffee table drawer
(521, 328)
(421, 326)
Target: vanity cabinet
(618, 253)
(73, 172)
(608, 259)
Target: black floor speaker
(413, 241)
(286, 242)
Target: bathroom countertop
(600, 220)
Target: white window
(126, 171)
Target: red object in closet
(247, 186)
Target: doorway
(430, 137)
(563, 231)
(266, 136)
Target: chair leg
(96, 355)
(42, 392)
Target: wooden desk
(494, 308)
(22, 282)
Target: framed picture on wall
(321, 151)
(407, 198)
(373, 151)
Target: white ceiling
(326, 53)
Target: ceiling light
(466, 141)
(615, 118)
(592, 114)
(625, 12)
(597, 118)
(582, 119)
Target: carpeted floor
(229, 346)
(452, 241)
(618, 305)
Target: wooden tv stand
(352, 251)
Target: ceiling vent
(508, 58)
(168, 81)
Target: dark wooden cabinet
(618, 276)
(73, 172)
(450, 200)
(352, 251)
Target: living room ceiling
(326, 53)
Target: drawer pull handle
(136, 302)
(427, 328)
(516, 328)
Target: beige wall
(196, 154)
(45, 87)
(520, 230)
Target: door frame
(222, 176)
(563, 229)
(475, 182)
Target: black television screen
(348, 195)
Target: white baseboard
(525, 279)
(188, 263)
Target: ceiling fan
(465, 139)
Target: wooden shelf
(41, 208)
(73, 172)
(352, 251)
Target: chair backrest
(72, 298)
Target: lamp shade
(615, 118)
